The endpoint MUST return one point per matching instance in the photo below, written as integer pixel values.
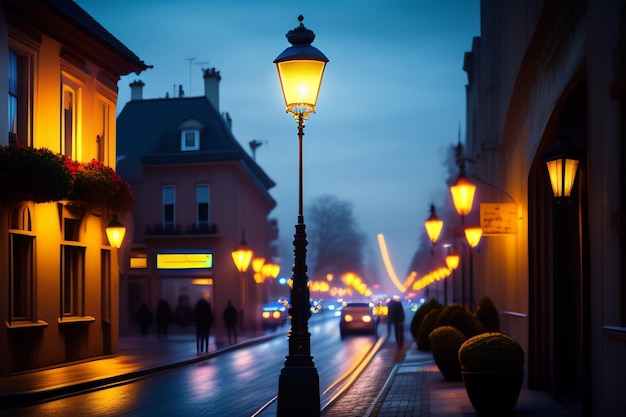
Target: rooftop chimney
(211, 86)
(136, 90)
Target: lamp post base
(298, 392)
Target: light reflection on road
(234, 384)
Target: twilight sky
(391, 101)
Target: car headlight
(366, 319)
(276, 314)
(348, 318)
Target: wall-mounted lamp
(115, 232)
(562, 165)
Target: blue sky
(391, 101)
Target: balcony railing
(193, 229)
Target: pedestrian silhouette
(144, 318)
(183, 311)
(203, 318)
(396, 318)
(163, 318)
(230, 321)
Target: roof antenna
(254, 144)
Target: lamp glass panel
(463, 196)
(473, 235)
(242, 258)
(300, 81)
(115, 234)
(452, 261)
(433, 228)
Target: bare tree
(335, 242)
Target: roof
(68, 22)
(148, 134)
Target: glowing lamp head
(463, 195)
(300, 71)
(562, 168)
(452, 261)
(473, 235)
(242, 255)
(433, 225)
(115, 232)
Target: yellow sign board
(184, 260)
(498, 218)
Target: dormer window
(189, 140)
(190, 135)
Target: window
(19, 101)
(70, 105)
(202, 206)
(103, 111)
(21, 266)
(169, 206)
(189, 140)
(72, 280)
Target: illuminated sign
(498, 218)
(184, 260)
(138, 262)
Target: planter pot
(493, 393)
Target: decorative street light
(452, 262)
(433, 226)
(463, 193)
(300, 70)
(562, 166)
(115, 232)
(473, 235)
(242, 257)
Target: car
(357, 318)
(274, 314)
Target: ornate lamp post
(300, 70)
(242, 257)
(452, 262)
(462, 191)
(473, 235)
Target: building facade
(199, 194)
(544, 73)
(58, 274)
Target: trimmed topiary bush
(420, 314)
(487, 314)
(459, 316)
(490, 352)
(445, 342)
(427, 326)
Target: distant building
(544, 71)
(197, 193)
(58, 274)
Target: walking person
(163, 318)
(396, 318)
(144, 318)
(203, 318)
(230, 321)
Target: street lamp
(473, 235)
(300, 70)
(242, 256)
(452, 262)
(433, 226)
(115, 232)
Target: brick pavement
(358, 399)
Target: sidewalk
(416, 388)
